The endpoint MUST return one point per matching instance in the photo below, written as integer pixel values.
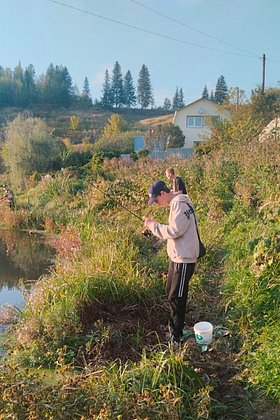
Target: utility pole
(263, 73)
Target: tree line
(21, 87)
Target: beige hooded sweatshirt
(181, 233)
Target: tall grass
(233, 183)
(161, 386)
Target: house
(195, 120)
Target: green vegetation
(29, 147)
(92, 343)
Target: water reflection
(22, 256)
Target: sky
(184, 43)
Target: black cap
(155, 189)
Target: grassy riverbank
(98, 322)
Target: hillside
(91, 122)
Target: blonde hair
(170, 171)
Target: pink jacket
(181, 234)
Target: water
(23, 258)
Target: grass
(99, 317)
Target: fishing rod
(146, 231)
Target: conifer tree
(205, 93)
(86, 92)
(129, 90)
(212, 96)
(106, 98)
(181, 98)
(30, 88)
(221, 91)
(117, 89)
(65, 85)
(49, 85)
(18, 85)
(175, 103)
(144, 88)
(58, 89)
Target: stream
(24, 258)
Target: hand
(147, 220)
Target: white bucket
(203, 333)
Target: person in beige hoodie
(182, 249)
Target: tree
(236, 96)
(221, 91)
(144, 88)
(265, 105)
(66, 86)
(18, 85)
(212, 96)
(86, 96)
(167, 104)
(181, 98)
(57, 86)
(75, 122)
(178, 99)
(176, 137)
(29, 85)
(49, 85)
(106, 98)
(175, 103)
(29, 147)
(7, 89)
(163, 136)
(205, 93)
(117, 89)
(129, 90)
(115, 124)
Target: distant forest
(22, 88)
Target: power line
(146, 30)
(191, 27)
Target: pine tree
(144, 88)
(65, 85)
(205, 93)
(7, 87)
(58, 88)
(117, 89)
(181, 98)
(176, 99)
(212, 96)
(49, 87)
(106, 98)
(30, 88)
(86, 92)
(129, 90)
(18, 85)
(18, 73)
(221, 91)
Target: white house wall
(202, 108)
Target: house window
(194, 121)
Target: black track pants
(177, 286)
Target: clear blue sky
(41, 32)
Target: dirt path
(220, 365)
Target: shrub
(29, 147)
(76, 159)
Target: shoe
(175, 342)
